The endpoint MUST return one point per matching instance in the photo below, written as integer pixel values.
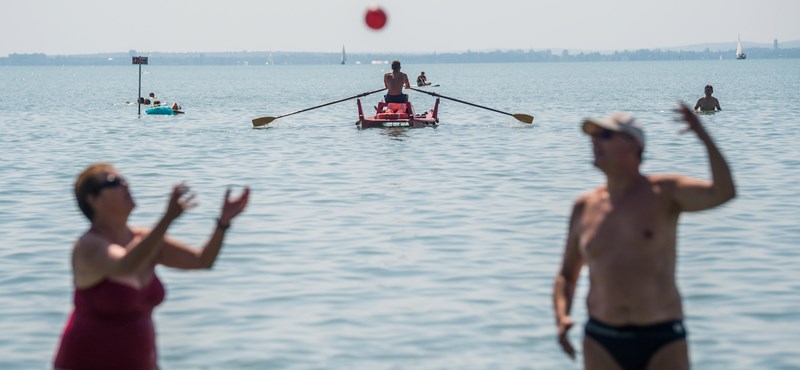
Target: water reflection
(395, 133)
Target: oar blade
(527, 118)
(262, 121)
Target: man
(625, 232)
(176, 108)
(422, 80)
(394, 82)
(708, 103)
(154, 100)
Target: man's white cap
(617, 122)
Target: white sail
(344, 58)
(739, 52)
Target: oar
(265, 120)
(527, 118)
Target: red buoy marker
(376, 18)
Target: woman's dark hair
(87, 184)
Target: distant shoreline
(320, 58)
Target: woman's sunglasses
(110, 182)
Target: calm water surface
(395, 249)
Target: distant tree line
(301, 58)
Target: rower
(394, 82)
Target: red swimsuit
(111, 328)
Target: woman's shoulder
(90, 240)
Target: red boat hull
(397, 115)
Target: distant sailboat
(344, 58)
(739, 53)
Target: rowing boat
(397, 115)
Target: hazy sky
(94, 26)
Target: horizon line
(601, 51)
(585, 51)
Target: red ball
(375, 18)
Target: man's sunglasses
(605, 134)
(110, 182)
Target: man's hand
(564, 324)
(693, 122)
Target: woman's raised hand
(232, 207)
(180, 200)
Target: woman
(113, 268)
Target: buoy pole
(139, 60)
(139, 95)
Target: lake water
(395, 248)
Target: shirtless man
(394, 82)
(708, 103)
(422, 80)
(625, 232)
